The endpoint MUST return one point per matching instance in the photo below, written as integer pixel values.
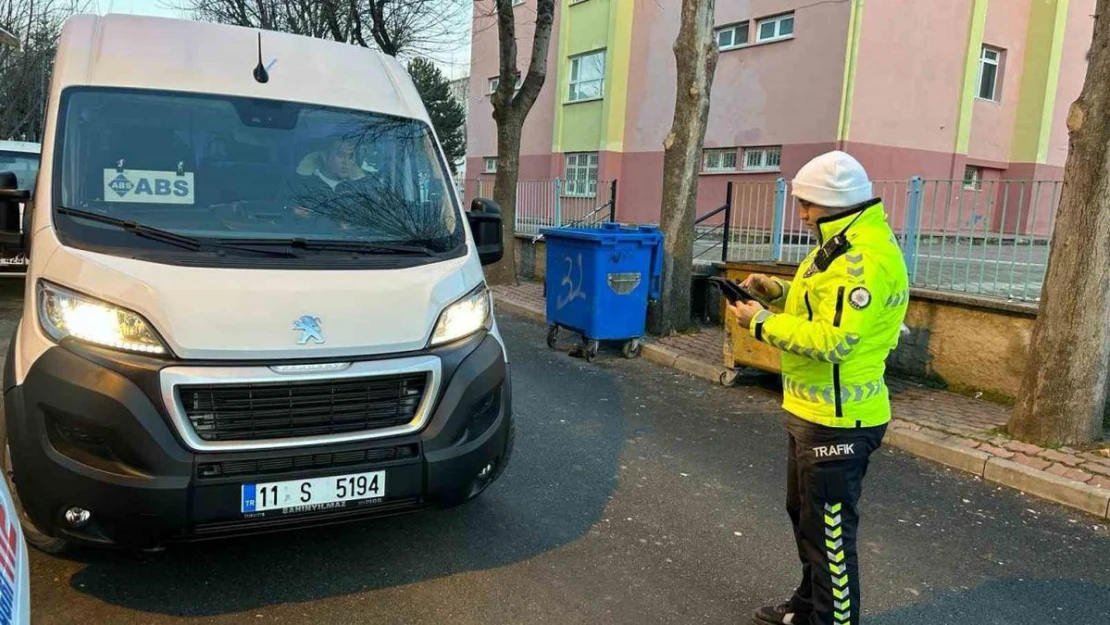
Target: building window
(734, 36)
(517, 3)
(490, 165)
(581, 175)
(773, 28)
(763, 159)
(587, 77)
(990, 60)
(496, 82)
(718, 160)
(973, 178)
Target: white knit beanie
(834, 179)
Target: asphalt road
(636, 495)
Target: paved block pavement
(952, 429)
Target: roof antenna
(260, 73)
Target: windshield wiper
(342, 245)
(165, 236)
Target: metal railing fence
(552, 203)
(988, 238)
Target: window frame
(999, 55)
(486, 161)
(707, 153)
(571, 184)
(975, 181)
(495, 82)
(765, 152)
(777, 20)
(571, 82)
(734, 29)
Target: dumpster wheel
(728, 378)
(552, 336)
(631, 349)
(590, 350)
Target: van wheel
(35, 537)
(472, 490)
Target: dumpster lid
(643, 233)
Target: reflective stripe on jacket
(838, 326)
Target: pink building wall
(781, 93)
(1073, 72)
(992, 123)
(908, 84)
(535, 149)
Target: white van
(254, 300)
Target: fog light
(77, 517)
(485, 472)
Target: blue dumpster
(599, 282)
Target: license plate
(320, 491)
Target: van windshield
(257, 172)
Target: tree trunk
(504, 193)
(696, 53)
(1063, 395)
(510, 110)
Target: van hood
(249, 314)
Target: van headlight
(464, 317)
(64, 313)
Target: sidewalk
(957, 431)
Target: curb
(1022, 478)
(519, 309)
(923, 443)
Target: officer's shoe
(781, 614)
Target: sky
(455, 64)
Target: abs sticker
(148, 187)
(859, 298)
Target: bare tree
(510, 109)
(400, 28)
(1063, 397)
(696, 53)
(25, 70)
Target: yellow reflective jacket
(837, 326)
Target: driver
(330, 184)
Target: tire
(34, 536)
(591, 350)
(631, 349)
(728, 378)
(552, 336)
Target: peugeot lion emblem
(309, 327)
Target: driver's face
(341, 161)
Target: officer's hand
(745, 312)
(762, 287)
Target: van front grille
(276, 410)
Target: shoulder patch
(859, 298)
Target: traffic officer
(836, 323)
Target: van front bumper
(88, 429)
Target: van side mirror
(487, 228)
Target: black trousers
(824, 481)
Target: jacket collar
(869, 212)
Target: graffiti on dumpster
(573, 287)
